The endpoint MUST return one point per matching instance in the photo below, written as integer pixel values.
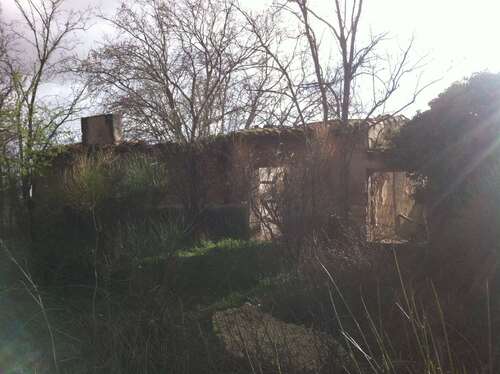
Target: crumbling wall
(310, 165)
(223, 172)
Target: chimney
(101, 129)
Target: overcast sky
(459, 36)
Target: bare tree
(337, 72)
(36, 114)
(351, 74)
(5, 79)
(180, 70)
(293, 100)
(6, 91)
(365, 77)
(365, 80)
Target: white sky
(459, 37)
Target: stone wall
(223, 171)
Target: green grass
(224, 245)
(210, 272)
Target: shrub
(88, 182)
(141, 180)
(452, 151)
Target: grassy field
(152, 309)
(150, 315)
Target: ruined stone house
(241, 168)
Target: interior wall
(393, 215)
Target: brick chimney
(101, 129)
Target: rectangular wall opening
(393, 215)
(264, 215)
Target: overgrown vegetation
(106, 275)
(140, 294)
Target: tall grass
(416, 338)
(371, 327)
